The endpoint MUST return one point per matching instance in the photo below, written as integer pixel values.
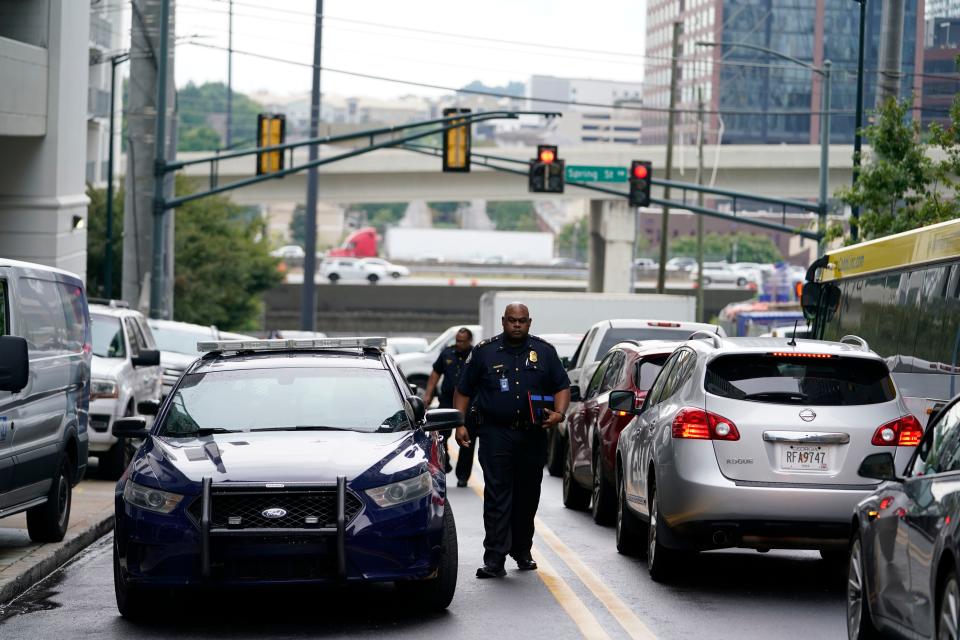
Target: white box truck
(575, 312)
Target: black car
(904, 575)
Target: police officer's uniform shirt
(449, 364)
(499, 377)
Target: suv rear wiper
(777, 395)
(300, 427)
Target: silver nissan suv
(754, 442)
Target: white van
(44, 394)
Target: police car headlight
(396, 493)
(150, 499)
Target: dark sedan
(903, 575)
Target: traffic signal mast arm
(439, 125)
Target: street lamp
(824, 121)
(858, 125)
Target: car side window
(145, 334)
(940, 449)
(680, 374)
(585, 348)
(43, 324)
(594, 387)
(134, 338)
(656, 391)
(4, 313)
(614, 369)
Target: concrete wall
(42, 176)
(23, 112)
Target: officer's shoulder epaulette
(486, 342)
(541, 341)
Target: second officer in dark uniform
(500, 375)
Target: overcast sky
(354, 40)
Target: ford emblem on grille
(807, 415)
(274, 513)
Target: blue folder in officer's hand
(539, 402)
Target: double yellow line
(581, 615)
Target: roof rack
(700, 334)
(855, 340)
(114, 304)
(378, 344)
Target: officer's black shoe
(526, 564)
(461, 483)
(491, 571)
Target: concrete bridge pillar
(612, 230)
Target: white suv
(337, 269)
(125, 372)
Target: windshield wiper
(777, 395)
(300, 427)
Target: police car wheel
(48, 522)
(436, 593)
(132, 603)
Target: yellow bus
(901, 295)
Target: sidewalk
(22, 562)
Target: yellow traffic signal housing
(456, 142)
(271, 131)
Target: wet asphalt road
(584, 589)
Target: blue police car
(286, 461)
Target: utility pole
(111, 153)
(891, 48)
(229, 136)
(701, 133)
(858, 125)
(308, 292)
(158, 284)
(139, 261)
(668, 169)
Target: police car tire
(555, 453)
(48, 522)
(132, 603)
(437, 592)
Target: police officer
(448, 367)
(500, 374)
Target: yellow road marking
(588, 624)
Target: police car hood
(285, 456)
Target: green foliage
(906, 181)
(513, 216)
(97, 242)
(223, 263)
(749, 247)
(298, 225)
(196, 102)
(381, 215)
(573, 240)
(446, 215)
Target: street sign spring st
(586, 173)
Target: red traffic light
(640, 172)
(547, 156)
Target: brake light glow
(697, 424)
(664, 324)
(905, 431)
(791, 354)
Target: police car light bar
(287, 345)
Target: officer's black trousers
(512, 463)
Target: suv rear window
(785, 380)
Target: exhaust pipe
(720, 538)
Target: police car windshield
(278, 399)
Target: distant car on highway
(680, 263)
(571, 263)
(754, 442)
(646, 263)
(352, 269)
(289, 251)
(904, 568)
(395, 270)
(270, 465)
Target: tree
(446, 215)
(574, 239)
(202, 138)
(222, 259)
(905, 182)
(195, 105)
(749, 247)
(513, 216)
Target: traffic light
(546, 171)
(271, 131)
(456, 143)
(640, 176)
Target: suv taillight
(905, 431)
(697, 424)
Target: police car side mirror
(439, 419)
(148, 407)
(419, 410)
(130, 428)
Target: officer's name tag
(504, 384)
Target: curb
(47, 565)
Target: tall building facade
(758, 98)
(43, 105)
(584, 124)
(941, 79)
(943, 9)
(106, 39)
